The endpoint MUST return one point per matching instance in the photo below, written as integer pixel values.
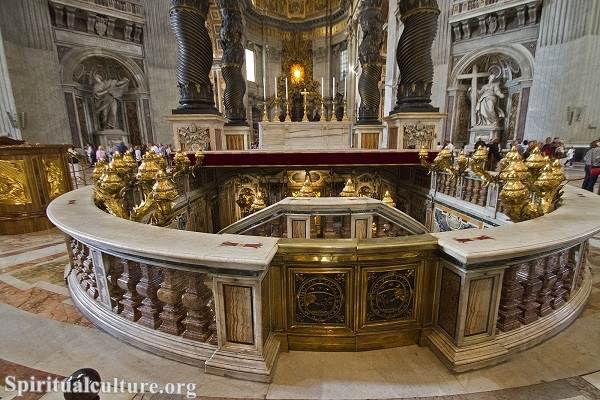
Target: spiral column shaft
(233, 59)
(195, 57)
(371, 23)
(413, 55)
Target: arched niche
(512, 65)
(78, 68)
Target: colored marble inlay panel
(448, 309)
(239, 324)
(478, 306)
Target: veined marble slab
(304, 135)
(76, 214)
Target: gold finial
(163, 189)
(306, 190)
(349, 189)
(148, 169)
(515, 196)
(535, 162)
(119, 165)
(258, 203)
(98, 170)
(388, 200)
(131, 164)
(111, 182)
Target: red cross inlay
(466, 240)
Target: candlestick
(322, 87)
(275, 88)
(287, 97)
(333, 93)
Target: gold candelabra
(528, 188)
(116, 184)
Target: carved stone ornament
(193, 138)
(418, 135)
(100, 26)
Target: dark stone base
(196, 109)
(414, 107)
(237, 123)
(368, 121)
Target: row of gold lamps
(528, 188)
(113, 181)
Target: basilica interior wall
(161, 60)
(7, 100)
(566, 79)
(34, 71)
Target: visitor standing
(100, 154)
(591, 159)
(570, 156)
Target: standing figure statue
(487, 110)
(106, 93)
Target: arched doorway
(511, 67)
(131, 122)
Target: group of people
(101, 153)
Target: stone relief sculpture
(193, 138)
(106, 93)
(487, 110)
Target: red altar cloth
(269, 158)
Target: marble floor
(42, 333)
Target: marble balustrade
(230, 303)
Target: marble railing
(230, 303)
(328, 218)
(469, 189)
(129, 6)
(468, 6)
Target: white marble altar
(304, 135)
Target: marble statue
(487, 111)
(106, 93)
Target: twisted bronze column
(232, 62)
(369, 55)
(195, 58)
(414, 55)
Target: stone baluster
(512, 293)
(112, 277)
(570, 276)
(483, 191)
(212, 327)
(532, 286)
(147, 287)
(198, 314)
(559, 292)
(548, 281)
(468, 190)
(87, 268)
(79, 258)
(127, 282)
(170, 293)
